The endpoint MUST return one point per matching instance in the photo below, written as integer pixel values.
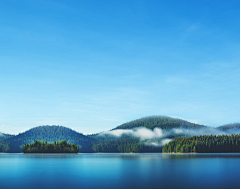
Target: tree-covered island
(204, 144)
(45, 147)
(105, 142)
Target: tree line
(204, 144)
(123, 144)
(45, 147)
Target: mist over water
(160, 137)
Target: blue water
(191, 171)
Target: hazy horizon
(93, 65)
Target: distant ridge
(50, 134)
(110, 143)
(162, 122)
(229, 126)
(5, 136)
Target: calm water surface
(120, 171)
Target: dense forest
(162, 122)
(123, 144)
(5, 136)
(106, 142)
(4, 146)
(50, 134)
(204, 144)
(45, 147)
(232, 126)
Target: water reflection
(119, 171)
(200, 155)
(42, 155)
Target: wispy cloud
(142, 133)
(151, 137)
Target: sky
(93, 65)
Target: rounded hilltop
(50, 134)
(163, 122)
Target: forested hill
(50, 134)
(5, 136)
(162, 122)
(204, 144)
(231, 126)
(4, 146)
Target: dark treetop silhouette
(45, 147)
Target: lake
(119, 171)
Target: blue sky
(92, 65)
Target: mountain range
(160, 129)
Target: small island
(45, 147)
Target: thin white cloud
(159, 137)
(141, 132)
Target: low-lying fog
(160, 137)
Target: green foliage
(107, 143)
(204, 144)
(124, 144)
(45, 147)
(127, 144)
(4, 146)
(50, 134)
(162, 122)
(229, 126)
(5, 136)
